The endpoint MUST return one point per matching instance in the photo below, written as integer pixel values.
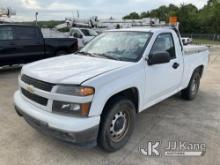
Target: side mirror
(76, 35)
(158, 58)
(80, 36)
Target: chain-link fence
(207, 39)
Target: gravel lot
(174, 119)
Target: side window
(85, 32)
(6, 33)
(164, 42)
(26, 33)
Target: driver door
(163, 79)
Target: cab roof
(147, 29)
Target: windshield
(126, 46)
(88, 32)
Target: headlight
(75, 90)
(71, 108)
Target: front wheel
(117, 124)
(192, 90)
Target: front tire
(192, 89)
(117, 124)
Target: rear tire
(117, 124)
(192, 89)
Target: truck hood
(70, 69)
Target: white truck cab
(186, 40)
(83, 35)
(93, 96)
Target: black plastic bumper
(87, 138)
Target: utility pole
(36, 14)
(77, 13)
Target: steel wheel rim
(195, 85)
(120, 119)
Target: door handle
(175, 65)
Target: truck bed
(192, 49)
(194, 56)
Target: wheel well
(130, 93)
(200, 70)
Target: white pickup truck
(83, 35)
(92, 97)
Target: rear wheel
(117, 124)
(192, 90)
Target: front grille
(37, 83)
(38, 99)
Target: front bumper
(82, 131)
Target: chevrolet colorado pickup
(21, 44)
(93, 96)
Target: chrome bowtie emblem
(30, 88)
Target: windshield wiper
(106, 56)
(85, 53)
(102, 55)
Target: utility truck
(83, 35)
(93, 96)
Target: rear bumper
(81, 131)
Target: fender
(114, 82)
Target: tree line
(192, 19)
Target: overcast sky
(59, 9)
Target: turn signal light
(86, 91)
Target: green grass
(205, 41)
